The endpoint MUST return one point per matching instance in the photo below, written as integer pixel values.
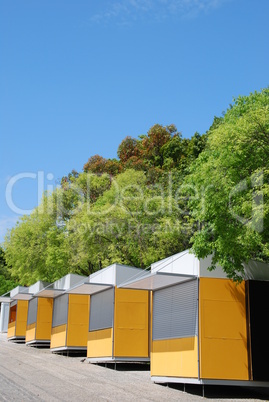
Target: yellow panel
(78, 320)
(223, 330)
(58, 337)
(11, 329)
(44, 318)
(100, 343)
(215, 324)
(175, 358)
(21, 317)
(131, 323)
(30, 332)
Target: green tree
(6, 282)
(132, 222)
(196, 145)
(230, 189)
(35, 248)
(153, 142)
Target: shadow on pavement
(222, 392)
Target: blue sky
(76, 77)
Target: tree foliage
(230, 187)
(99, 165)
(127, 149)
(6, 282)
(161, 149)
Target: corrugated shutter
(32, 311)
(175, 311)
(4, 314)
(102, 309)
(60, 311)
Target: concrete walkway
(29, 374)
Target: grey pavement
(30, 374)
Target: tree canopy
(230, 187)
(6, 283)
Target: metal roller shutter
(4, 314)
(32, 311)
(175, 311)
(60, 311)
(102, 309)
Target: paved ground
(29, 374)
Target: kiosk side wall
(21, 317)
(174, 350)
(78, 320)
(131, 324)
(100, 336)
(44, 318)
(223, 330)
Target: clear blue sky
(76, 77)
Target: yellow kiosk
(206, 329)
(118, 323)
(18, 314)
(39, 318)
(69, 316)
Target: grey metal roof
(23, 293)
(60, 286)
(23, 296)
(156, 280)
(87, 288)
(50, 293)
(5, 299)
